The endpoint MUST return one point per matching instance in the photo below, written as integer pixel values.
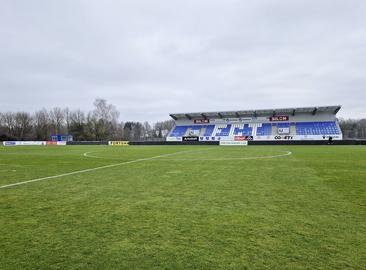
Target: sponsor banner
(24, 143)
(194, 133)
(232, 120)
(261, 119)
(283, 131)
(51, 143)
(279, 118)
(201, 121)
(286, 137)
(239, 138)
(9, 143)
(317, 137)
(297, 137)
(209, 139)
(118, 143)
(275, 138)
(243, 138)
(190, 139)
(217, 139)
(233, 143)
(247, 119)
(263, 138)
(218, 121)
(61, 143)
(174, 139)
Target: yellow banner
(118, 143)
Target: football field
(183, 207)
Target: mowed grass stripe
(91, 169)
(304, 211)
(25, 163)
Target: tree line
(101, 123)
(353, 129)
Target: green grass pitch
(183, 207)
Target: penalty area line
(88, 170)
(287, 153)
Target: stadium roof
(254, 113)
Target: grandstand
(307, 123)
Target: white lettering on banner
(297, 137)
(62, 143)
(209, 138)
(24, 143)
(174, 139)
(232, 143)
(283, 131)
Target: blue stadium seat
(245, 131)
(179, 131)
(195, 127)
(283, 125)
(209, 130)
(224, 131)
(302, 128)
(317, 128)
(265, 130)
(195, 130)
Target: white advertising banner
(24, 143)
(174, 139)
(61, 143)
(209, 138)
(297, 138)
(234, 143)
(284, 131)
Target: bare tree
(67, 119)
(4, 128)
(103, 119)
(92, 127)
(9, 123)
(353, 129)
(147, 130)
(161, 129)
(57, 116)
(22, 125)
(77, 126)
(42, 124)
(102, 123)
(105, 111)
(77, 117)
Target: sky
(152, 58)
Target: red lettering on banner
(201, 121)
(279, 118)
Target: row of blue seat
(209, 130)
(223, 132)
(180, 131)
(317, 128)
(264, 130)
(245, 131)
(302, 128)
(283, 125)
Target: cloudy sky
(151, 58)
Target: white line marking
(88, 170)
(88, 154)
(287, 153)
(239, 158)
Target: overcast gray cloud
(150, 58)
